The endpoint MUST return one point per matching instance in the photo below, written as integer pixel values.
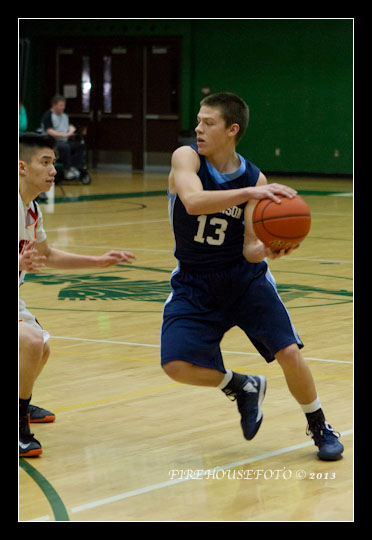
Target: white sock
(312, 407)
(227, 378)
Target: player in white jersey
(30, 231)
(36, 175)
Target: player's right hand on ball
(273, 192)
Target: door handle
(162, 117)
(122, 116)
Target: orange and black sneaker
(39, 415)
(28, 445)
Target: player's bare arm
(184, 181)
(56, 258)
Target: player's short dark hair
(30, 142)
(234, 110)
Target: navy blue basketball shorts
(203, 307)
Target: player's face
(40, 171)
(212, 134)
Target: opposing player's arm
(56, 258)
(29, 259)
(254, 250)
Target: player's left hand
(115, 257)
(271, 254)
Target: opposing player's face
(211, 131)
(40, 171)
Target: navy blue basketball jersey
(211, 242)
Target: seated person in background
(56, 123)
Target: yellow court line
(116, 398)
(108, 356)
(153, 389)
(136, 359)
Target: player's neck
(27, 193)
(225, 162)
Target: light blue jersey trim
(221, 178)
(171, 201)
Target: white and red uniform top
(30, 227)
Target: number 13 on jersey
(219, 231)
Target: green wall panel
(295, 74)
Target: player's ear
(233, 130)
(22, 167)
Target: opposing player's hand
(30, 260)
(271, 254)
(273, 192)
(115, 257)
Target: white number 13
(220, 228)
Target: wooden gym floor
(128, 443)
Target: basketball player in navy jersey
(222, 279)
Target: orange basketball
(281, 225)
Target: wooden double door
(125, 91)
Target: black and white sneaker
(28, 445)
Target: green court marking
(312, 274)
(97, 287)
(100, 310)
(291, 292)
(103, 286)
(55, 501)
(167, 271)
(321, 193)
(107, 196)
(160, 193)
